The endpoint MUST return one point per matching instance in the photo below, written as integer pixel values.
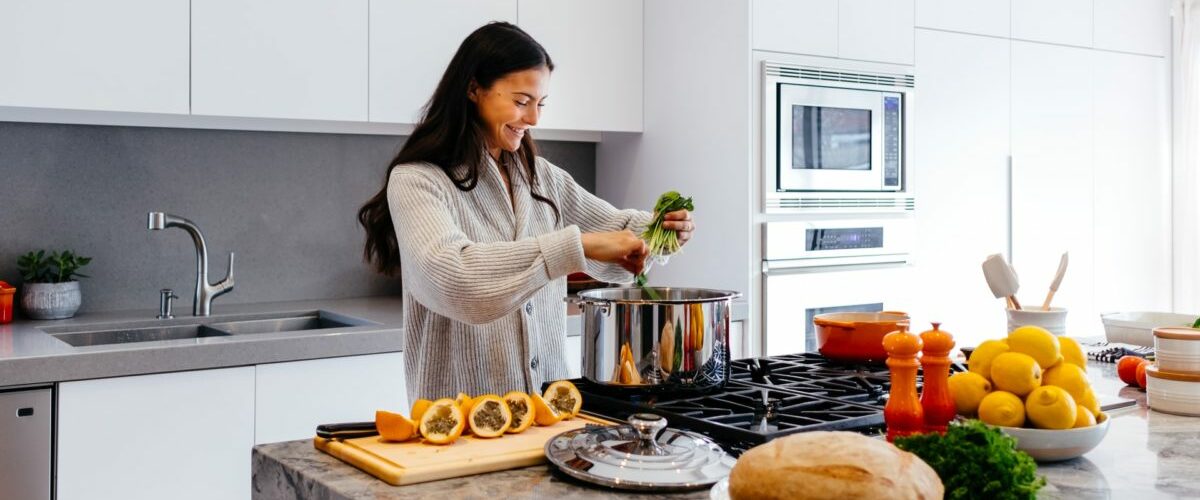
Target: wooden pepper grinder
(936, 400)
(903, 413)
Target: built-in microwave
(831, 130)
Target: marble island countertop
(1146, 455)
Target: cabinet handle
(1009, 208)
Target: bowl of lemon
(1033, 385)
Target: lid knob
(647, 425)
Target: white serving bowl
(1136, 327)
(1052, 446)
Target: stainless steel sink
(201, 327)
(122, 336)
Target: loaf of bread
(833, 465)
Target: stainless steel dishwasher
(26, 420)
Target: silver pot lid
(643, 455)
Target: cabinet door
(960, 143)
(1142, 26)
(412, 42)
(1133, 183)
(795, 26)
(596, 47)
(302, 59)
(983, 17)
(293, 398)
(119, 55)
(1067, 22)
(1052, 205)
(574, 353)
(876, 30)
(174, 435)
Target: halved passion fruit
(544, 414)
(564, 397)
(394, 426)
(464, 401)
(489, 416)
(443, 422)
(418, 408)
(521, 407)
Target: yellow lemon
(1083, 417)
(968, 389)
(1069, 377)
(1003, 409)
(1050, 407)
(981, 358)
(1016, 373)
(1088, 400)
(1035, 341)
(1072, 353)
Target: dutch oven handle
(834, 324)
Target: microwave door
(829, 139)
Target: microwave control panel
(891, 141)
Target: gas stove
(765, 398)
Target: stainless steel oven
(831, 130)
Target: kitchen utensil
(903, 413)
(1046, 445)
(347, 430)
(1172, 392)
(856, 336)
(1054, 320)
(1137, 328)
(679, 342)
(1002, 279)
(413, 461)
(641, 455)
(1058, 277)
(1177, 349)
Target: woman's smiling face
(511, 106)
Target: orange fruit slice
(564, 397)
(419, 406)
(521, 407)
(394, 426)
(443, 422)
(544, 414)
(464, 401)
(489, 416)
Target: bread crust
(832, 465)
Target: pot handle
(894, 312)
(575, 300)
(835, 324)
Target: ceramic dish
(1052, 446)
(1177, 349)
(1171, 392)
(856, 336)
(1137, 327)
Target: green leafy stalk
(662, 241)
(975, 460)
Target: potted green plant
(51, 290)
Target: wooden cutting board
(414, 462)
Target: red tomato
(1127, 368)
(1141, 375)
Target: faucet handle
(165, 296)
(227, 283)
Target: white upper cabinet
(960, 141)
(795, 26)
(1068, 22)
(983, 17)
(1133, 183)
(1053, 175)
(876, 30)
(596, 47)
(118, 55)
(412, 42)
(1141, 26)
(300, 59)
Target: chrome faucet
(205, 293)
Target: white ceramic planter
(51, 300)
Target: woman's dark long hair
(450, 134)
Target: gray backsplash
(284, 202)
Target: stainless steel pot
(678, 341)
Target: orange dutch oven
(856, 336)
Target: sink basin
(122, 336)
(195, 328)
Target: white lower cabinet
(294, 397)
(172, 435)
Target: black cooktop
(765, 398)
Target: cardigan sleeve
(465, 280)
(594, 215)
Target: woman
(483, 231)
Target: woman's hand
(617, 247)
(680, 221)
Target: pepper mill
(936, 400)
(903, 413)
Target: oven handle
(799, 266)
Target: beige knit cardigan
(483, 275)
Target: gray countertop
(30, 356)
(1146, 454)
